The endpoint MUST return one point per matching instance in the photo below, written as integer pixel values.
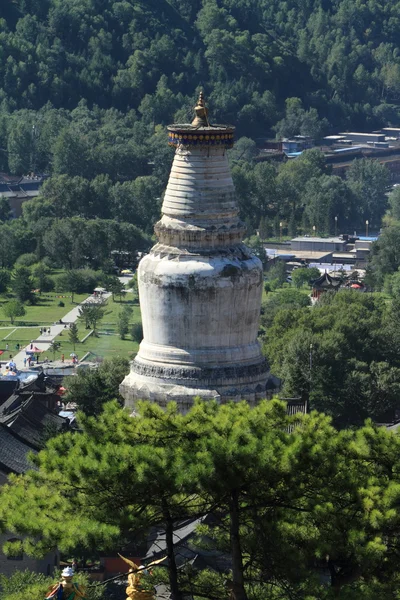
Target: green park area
(47, 311)
(48, 308)
(107, 343)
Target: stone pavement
(43, 341)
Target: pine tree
(22, 284)
(73, 334)
(285, 504)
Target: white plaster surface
(200, 293)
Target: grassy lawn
(105, 345)
(21, 334)
(108, 342)
(45, 312)
(306, 290)
(115, 307)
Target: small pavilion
(323, 284)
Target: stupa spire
(201, 118)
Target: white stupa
(199, 287)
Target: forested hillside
(340, 57)
(86, 87)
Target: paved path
(43, 341)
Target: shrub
(137, 332)
(26, 260)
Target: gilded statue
(136, 589)
(66, 589)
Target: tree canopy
(341, 355)
(287, 506)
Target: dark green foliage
(304, 275)
(292, 65)
(368, 180)
(303, 193)
(385, 256)
(26, 260)
(54, 348)
(73, 334)
(343, 355)
(13, 309)
(123, 321)
(276, 275)
(5, 278)
(41, 277)
(113, 285)
(35, 586)
(91, 313)
(394, 203)
(287, 507)
(86, 92)
(137, 332)
(287, 299)
(92, 388)
(298, 121)
(78, 281)
(22, 284)
(5, 212)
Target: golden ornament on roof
(201, 119)
(135, 589)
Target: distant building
(18, 190)
(362, 249)
(363, 137)
(301, 256)
(333, 139)
(391, 131)
(324, 284)
(319, 244)
(297, 143)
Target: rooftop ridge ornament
(201, 118)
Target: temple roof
(7, 387)
(13, 452)
(32, 420)
(326, 282)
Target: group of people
(45, 331)
(17, 346)
(30, 360)
(10, 369)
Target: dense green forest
(86, 89)
(340, 58)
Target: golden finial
(201, 119)
(135, 590)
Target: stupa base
(163, 384)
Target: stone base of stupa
(182, 384)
